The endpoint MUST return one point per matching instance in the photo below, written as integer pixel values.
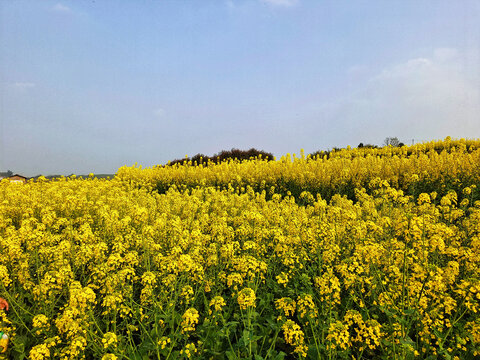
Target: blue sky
(89, 86)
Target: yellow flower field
(365, 253)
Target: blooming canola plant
(370, 253)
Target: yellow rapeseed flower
(189, 320)
(246, 298)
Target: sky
(90, 86)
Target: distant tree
(370, 146)
(393, 141)
(9, 173)
(225, 155)
(241, 155)
(199, 159)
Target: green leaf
(410, 311)
(230, 355)
(406, 341)
(256, 338)
(273, 324)
(247, 337)
(146, 346)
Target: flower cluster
(189, 320)
(246, 298)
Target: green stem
(273, 344)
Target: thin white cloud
(357, 69)
(445, 54)
(160, 113)
(422, 98)
(22, 86)
(285, 3)
(60, 8)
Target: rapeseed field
(361, 253)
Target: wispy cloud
(160, 113)
(22, 86)
(285, 3)
(60, 8)
(421, 98)
(357, 69)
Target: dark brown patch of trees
(223, 156)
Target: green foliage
(224, 155)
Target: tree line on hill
(254, 153)
(224, 155)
